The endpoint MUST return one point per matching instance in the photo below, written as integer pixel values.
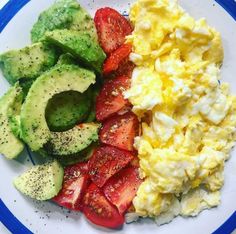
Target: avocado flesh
(64, 14)
(35, 131)
(27, 63)
(41, 182)
(82, 156)
(66, 109)
(72, 141)
(66, 59)
(10, 145)
(80, 45)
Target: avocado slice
(66, 59)
(35, 131)
(64, 14)
(14, 110)
(66, 109)
(10, 145)
(73, 140)
(41, 182)
(28, 62)
(82, 156)
(80, 45)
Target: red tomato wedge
(110, 99)
(99, 210)
(116, 58)
(105, 162)
(112, 28)
(75, 182)
(125, 68)
(122, 187)
(119, 131)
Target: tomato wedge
(75, 182)
(122, 187)
(112, 28)
(116, 58)
(99, 210)
(119, 131)
(105, 162)
(110, 99)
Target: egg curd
(187, 115)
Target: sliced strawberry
(120, 131)
(105, 162)
(110, 99)
(122, 187)
(115, 59)
(99, 210)
(112, 28)
(75, 182)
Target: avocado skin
(28, 62)
(79, 44)
(35, 131)
(63, 14)
(66, 109)
(41, 182)
(72, 141)
(10, 145)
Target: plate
(23, 215)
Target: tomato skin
(111, 99)
(113, 62)
(76, 180)
(105, 162)
(120, 131)
(99, 210)
(121, 189)
(112, 28)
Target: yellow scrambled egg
(188, 117)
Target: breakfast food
(129, 115)
(187, 115)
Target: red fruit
(110, 99)
(119, 131)
(75, 182)
(105, 162)
(112, 28)
(115, 59)
(125, 68)
(99, 210)
(121, 189)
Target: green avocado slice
(41, 182)
(72, 141)
(64, 14)
(10, 145)
(80, 45)
(35, 131)
(66, 109)
(27, 63)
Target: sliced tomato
(120, 130)
(116, 58)
(110, 99)
(112, 28)
(105, 162)
(122, 187)
(125, 68)
(75, 182)
(99, 210)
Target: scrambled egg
(188, 117)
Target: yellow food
(188, 118)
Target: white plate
(46, 217)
